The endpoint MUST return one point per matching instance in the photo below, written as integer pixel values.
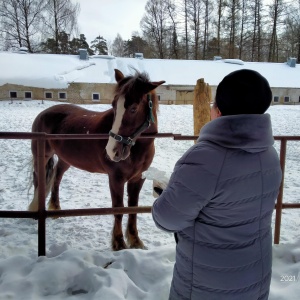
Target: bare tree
(243, 26)
(207, 15)
(185, 35)
(276, 11)
(61, 16)
(291, 36)
(256, 30)
(233, 18)
(20, 22)
(118, 48)
(174, 44)
(155, 25)
(186, 30)
(195, 10)
(221, 4)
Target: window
(28, 95)
(62, 95)
(96, 97)
(158, 97)
(276, 99)
(48, 95)
(13, 94)
(286, 99)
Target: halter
(130, 139)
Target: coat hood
(251, 133)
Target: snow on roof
(57, 71)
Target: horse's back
(51, 116)
(85, 154)
(69, 118)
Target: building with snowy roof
(91, 80)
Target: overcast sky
(110, 17)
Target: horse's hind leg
(133, 189)
(117, 192)
(50, 172)
(61, 168)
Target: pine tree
(99, 45)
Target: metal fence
(42, 213)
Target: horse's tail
(50, 171)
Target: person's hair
(243, 92)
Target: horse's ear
(153, 85)
(118, 75)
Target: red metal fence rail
(42, 213)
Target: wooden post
(280, 195)
(202, 99)
(41, 198)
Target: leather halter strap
(130, 139)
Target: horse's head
(132, 107)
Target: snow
(79, 263)
(234, 61)
(58, 71)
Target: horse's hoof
(120, 245)
(52, 206)
(138, 245)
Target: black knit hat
(243, 92)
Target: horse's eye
(133, 110)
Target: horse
(123, 156)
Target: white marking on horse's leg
(34, 205)
(115, 128)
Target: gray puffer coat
(220, 201)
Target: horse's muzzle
(119, 152)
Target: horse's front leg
(117, 192)
(133, 189)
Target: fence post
(280, 194)
(201, 107)
(41, 197)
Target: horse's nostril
(123, 150)
(117, 153)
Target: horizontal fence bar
(290, 205)
(99, 211)
(77, 212)
(95, 211)
(103, 136)
(98, 136)
(21, 214)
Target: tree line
(47, 26)
(251, 30)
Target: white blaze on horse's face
(111, 145)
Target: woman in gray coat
(221, 197)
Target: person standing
(221, 196)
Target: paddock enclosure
(284, 143)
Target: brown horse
(123, 157)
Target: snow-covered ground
(79, 263)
